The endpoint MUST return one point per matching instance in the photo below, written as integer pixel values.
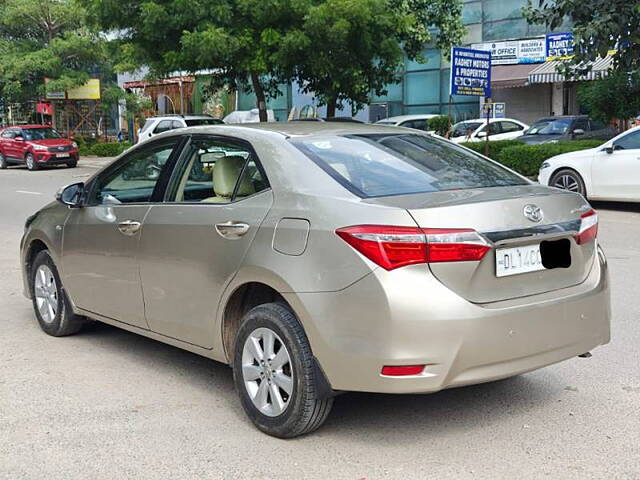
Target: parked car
(36, 146)
(163, 123)
(248, 116)
(608, 172)
(476, 130)
(418, 121)
(317, 258)
(566, 128)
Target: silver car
(317, 258)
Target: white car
(163, 123)
(476, 130)
(418, 121)
(608, 172)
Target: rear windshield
(203, 121)
(399, 164)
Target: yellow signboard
(88, 91)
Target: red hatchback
(36, 146)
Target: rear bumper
(407, 317)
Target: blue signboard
(559, 45)
(470, 72)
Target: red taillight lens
(394, 247)
(402, 370)
(588, 227)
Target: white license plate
(62, 155)
(514, 260)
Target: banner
(559, 46)
(88, 91)
(512, 52)
(470, 72)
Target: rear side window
(194, 122)
(510, 127)
(399, 164)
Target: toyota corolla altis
(319, 258)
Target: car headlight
(35, 146)
(545, 165)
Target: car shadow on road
(398, 417)
(617, 206)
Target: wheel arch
(35, 246)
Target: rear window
(194, 122)
(399, 164)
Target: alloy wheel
(30, 162)
(267, 371)
(45, 290)
(567, 182)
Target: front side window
(510, 127)
(464, 129)
(217, 171)
(39, 133)
(134, 180)
(581, 124)
(379, 165)
(631, 141)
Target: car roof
(33, 125)
(568, 117)
(177, 115)
(491, 120)
(402, 118)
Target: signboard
(559, 46)
(470, 72)
(499, 110)
(532, 50)
(88, 91)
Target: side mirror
(18, 138)
(609, 150)
(71, 195)
(481, 134)
(578, 131)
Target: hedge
(494, 147)
(526, 159)
(112, 149)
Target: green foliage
(44, 38)
(136, 105)
(338, 49)
(598, 26)
(440, 124)
(615, 96)
(526, 159)
(111, 149)
(495, 147)
(344, 50)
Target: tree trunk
(331, 107)
(260, 98)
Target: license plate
(515, 260)
(62, 155)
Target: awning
(511, 76)
(546, 72)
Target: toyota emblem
(533, 212)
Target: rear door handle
(129, 227)
(231, 229)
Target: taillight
(402, 370)
(394, 247)
(588, 227)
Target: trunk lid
(498, 214)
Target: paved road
(110, 404)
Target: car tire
(50, 302)
(3, 162)
(30, 160)
(72, 164)
(280, 414)
(568, 179)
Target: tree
(598, 27)
(236, 41)
(344, 50)
(44, 38)
(617, 96)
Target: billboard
(88, 91)
(512, 52)
(559, 46)
(470, 72)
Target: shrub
(526, 159)
(112, 149)
(495, 147)
(440, 124)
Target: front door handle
(129, 227)
(231, 229)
